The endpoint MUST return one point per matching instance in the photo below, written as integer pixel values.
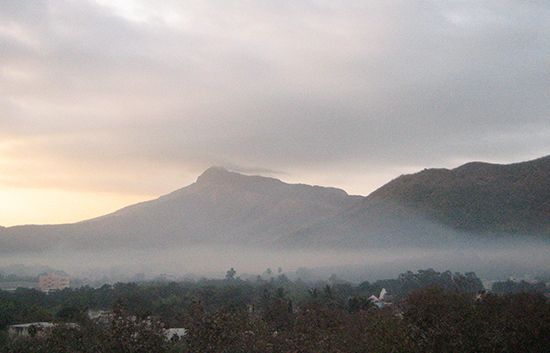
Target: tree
(441, 321)
(230, 274)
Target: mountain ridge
(478, 196)
(225, 207)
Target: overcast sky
(104, 103)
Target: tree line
(430, 312)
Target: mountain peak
(214, 171)
(222, 176)
(215, 174)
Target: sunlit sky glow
(105, 103)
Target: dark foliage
(431, 312)
(518, 287)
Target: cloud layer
(136, 98)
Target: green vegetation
(479, 196)
(429, 312)
(512, 287)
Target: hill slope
(221, 207)
(477, 197)
(438, 206)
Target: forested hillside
(478, 197)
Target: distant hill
(437, 206)
(223, 207)
(220, 207)
(477, 197)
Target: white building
(177, 333)
(27, 329)
(381, 300)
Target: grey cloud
(278, 85)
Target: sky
(106, 103)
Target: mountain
(434, 206)
(477, 197)
(438, 206)
(220, 207)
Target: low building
(29, 329)
(102, 316)
(53, 281)
(36, 328)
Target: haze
(487, 259)
(110, 102)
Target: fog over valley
(227, 219)
(491, 262)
